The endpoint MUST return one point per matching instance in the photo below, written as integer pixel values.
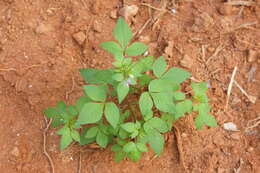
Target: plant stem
(131, 109)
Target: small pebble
(43, 28)
(230, 126)
(250, 149)
(97, 26)
(235, 136)
(113, 14)
(252, 55)
(79, 37)
(15, 152)
(186, 61)
(226, 9)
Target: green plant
(128, 106)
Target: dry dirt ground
(40, 59)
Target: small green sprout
(127, 106)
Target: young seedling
(128, 106)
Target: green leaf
(112, 47)
(91, 132)
(145, 103)
(64, 130)
(142, 147)
(91, 113)
(72, 110)
(96, 92)
(122, 32)
(119, 156)
(142, 65)
(129, 127)
(121, 141)
(168, 118)
(202, 107)
(199, 122)
(163, 102)
(61, 106)
(123, 134)
(122, 91)
(81, 101)
(135, 155)
(83, 139)
(102, 139)
(159, 85)
(57, 122)
(182, 108)
(134, 134)
(125, 115)
(176, 75)
(210, 120)
(51, 112)
(156, 123)
(145, 80)
(200, 87)
(129, 147)
(118, 77)
(75, 135)
(156, 141)
(178, 96)
(96, 76)
(135, 49)
(112, 114)
(159, 67)
(65, 141)
(116, 148)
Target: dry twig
(251, 98)
(44, 144)
(8, 69)
(218, 49)
(241, 3)
(230, 85)
(79, 166)
(253, 123)
(71, 90)
(179, 146)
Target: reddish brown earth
(39, 62)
